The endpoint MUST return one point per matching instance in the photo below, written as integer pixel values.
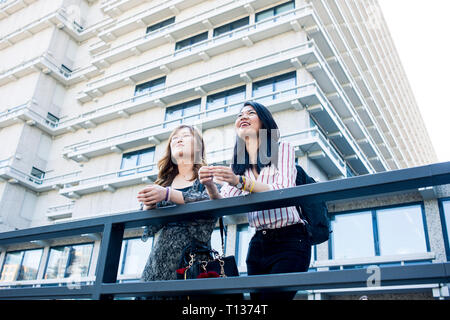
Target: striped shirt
(277, 178)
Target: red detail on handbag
(210, 274)
(181, 270)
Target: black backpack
(315, 214)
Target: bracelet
(167, 194)
(243, 185)
(253, 185)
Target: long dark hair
(273, 134)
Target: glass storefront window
(69, 261)
(446, 225)
(401, 230)
(379, 232)
(134, 255)
(21, 265)
(352, 235)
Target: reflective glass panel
(401, 230)
(134, 256)
(352, 236)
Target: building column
(434, 229)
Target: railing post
(108, 259)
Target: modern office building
(90, 91)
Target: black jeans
(280, 250)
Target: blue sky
(420, 30)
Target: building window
(262, 90)
(150, 86)
(134, 256)
(190, 41)
(21, 265)
(243, 237)
(445, 218)
(35, 172)
(352, 236)
(69, 261)
(275, 11)
(178, 114)
(160, 25)
(379, 232)
(231, 26)
(52, 119)
(226, 101)
(137, 161)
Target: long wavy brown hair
(168, 169)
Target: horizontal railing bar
(392, 275)
(350, 188)
(64, 292)
(355, 278)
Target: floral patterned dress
(165, 256)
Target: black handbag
(198, 261)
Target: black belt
(294, 229)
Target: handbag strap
(222, 231)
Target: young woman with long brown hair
(177, 183)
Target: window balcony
(46, 64)
(58, 19)
(114, 8)
(271, 64)
(142, 19)
(307, 96)
(60, 212)
(314, 145)
(209, 118)
(355, 86)
(379, 85)
(10, 7)
(170, 33)
(110, 181)
(308, 142)
(205, 50)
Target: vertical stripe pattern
(277, 178)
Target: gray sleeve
(194, 195)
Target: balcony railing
(60, 212)
(136, 21)
(112, 229)
(355, 91)
(10, 173)
(308, 95)
(203, 50)
(8, 7)
(150, 40)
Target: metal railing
(112, 229)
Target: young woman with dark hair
(262, 163)
(177, 183)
